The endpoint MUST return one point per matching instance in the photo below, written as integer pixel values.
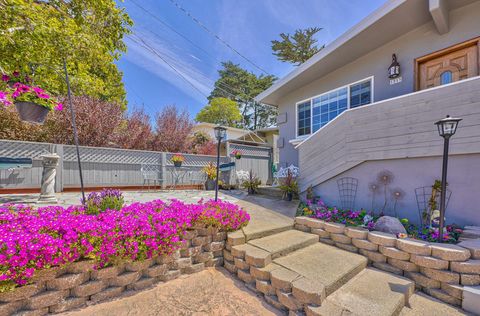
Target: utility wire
(154, 51)
(171, 28)
(216, 36)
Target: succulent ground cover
(35, 239)
(367, 220)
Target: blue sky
(247, 25)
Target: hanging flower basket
(177, 160)
(32, 102)
(31, 112)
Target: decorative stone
(364, 244)
(308, 291)
(230, 267)
(182, 263)
(81, 266)
(214, 246)
(356, 232)
(347, 247)
(20, 293)
(309, 222)
(138, 265)
(124, 279)
(390, 225)
(273, 300)
(203, 257)
(241, 264)
(441, 275)
(190, 252)
(220, 236)
(105, 273)
(473, 245)
(258, 257)
(45, 299)
(215, 262)
(470, 267)
(201, 240)
(107, 294)
(302, 228)
(327, 241)
(168, 258)
(429, 262)
(10, 308)
(373, 255)
(341, 238)
(335, 228)
(443, 296)
(88, 288)
(67, 281)
(265, 287)
(450, 252)
(393, 252)
(156, 270)
(245, 276)
(170, 275)
(235, 238)
(288, 300)
(185, 244)
(68, 304)
(47, 191)
(422, 280)
(227, 255)
(48, 274)
(141, 284)
(194, 268)
(239, 251)
(320, 232)
(452, 290)
(302, 220)
(282, 279)
(416, 247)
(470, 279)
(404, 265)
(263, 273)
(382, 239)
(388, 268)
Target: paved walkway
(210, 292)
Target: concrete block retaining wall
(440, 270)
(78, 284)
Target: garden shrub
(101, 201)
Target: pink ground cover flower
(35, 239)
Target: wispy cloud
(176, 56)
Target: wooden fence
(113, 167)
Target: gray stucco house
(368, 101)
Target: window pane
(360, 94)
(304, 118)
(446, 77)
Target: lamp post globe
(220, 134)
(447, 127)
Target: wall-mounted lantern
(394, 69)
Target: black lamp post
(220, 133)
(446, 128)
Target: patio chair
(151, 173)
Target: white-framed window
(314, 113)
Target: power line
(216, 36)
(171, 28)
(151, 49)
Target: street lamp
(446, 128)
(220, 133)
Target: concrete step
(372, 292)
(270, 191)
(324, 264)
(284, 243)
(421, 304)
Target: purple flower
(5, 77)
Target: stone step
(284, 243)
(323, 264)
(371, 292)
(421, 304)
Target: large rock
(390, 225)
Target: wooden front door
(449, 65)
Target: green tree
(297, 48)
(35, 37)
(241, 86)
(220, 111)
